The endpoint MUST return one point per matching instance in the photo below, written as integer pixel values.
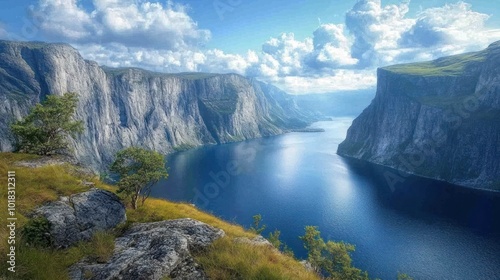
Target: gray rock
(153, 251)
(124, 107)
(308, 266)
(79, 216)
(441, 120)
(46, 161)
(259, 240)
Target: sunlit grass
(224, 259)
(227, 259)
(448, 66)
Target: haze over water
(425, 228)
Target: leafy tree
(139, 170)
(45, 129)
(330, 258)
(274, 238)
(257, 228)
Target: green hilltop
(447, 66)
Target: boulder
(79, 216)
(153, 251)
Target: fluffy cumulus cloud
(132, 23)
(455, 24)
(376, 29)
(385, 35)
(163, 37)
(331, 48)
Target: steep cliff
(124, 107)
(439, 119)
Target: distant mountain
(131, 106)
(439, 119)
(336, 104)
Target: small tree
(257, 228)
(139, 170)
(330, 258)
(274, 238)
(46, 127)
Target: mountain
(335, 104)
(130, 106)
(438, 119)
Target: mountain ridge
(121, 107)
(437, 119)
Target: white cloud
(331, 48)
(132, 23)
(163, 37)
(284, 55)
(339, 80)
(453, 28)
(375, 29)
(64, 19)
(384, 35)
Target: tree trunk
(135, 198)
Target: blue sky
(303, 46)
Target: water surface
(425, 228)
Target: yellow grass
(225, 259)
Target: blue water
(425, 228)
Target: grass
(230, 260)
(184, 75)
(448, 66)
(224, 259)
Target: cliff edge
(438, 119)
(121, 107)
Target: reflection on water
(428, 229)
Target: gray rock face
(79, 216)
(124, 107)
(437, 119)
(153, 251)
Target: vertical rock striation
(124, 107)
(439, 119)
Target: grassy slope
(224, 259)
(446, 66)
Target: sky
(301, 46)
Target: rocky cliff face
(124, 107)
(439, 119)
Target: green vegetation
(139, 170)
(35, 232)
(46, 127)
(224, 259)
(404, 276)
(330, 258)
(152, 74)
(257, 227)
(274, 238)
(183, 147)
(447, 66)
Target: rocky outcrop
(154, 251)
(438, 119)
(124, 107)
(46, 161)
(79, 216)
(258, 240)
